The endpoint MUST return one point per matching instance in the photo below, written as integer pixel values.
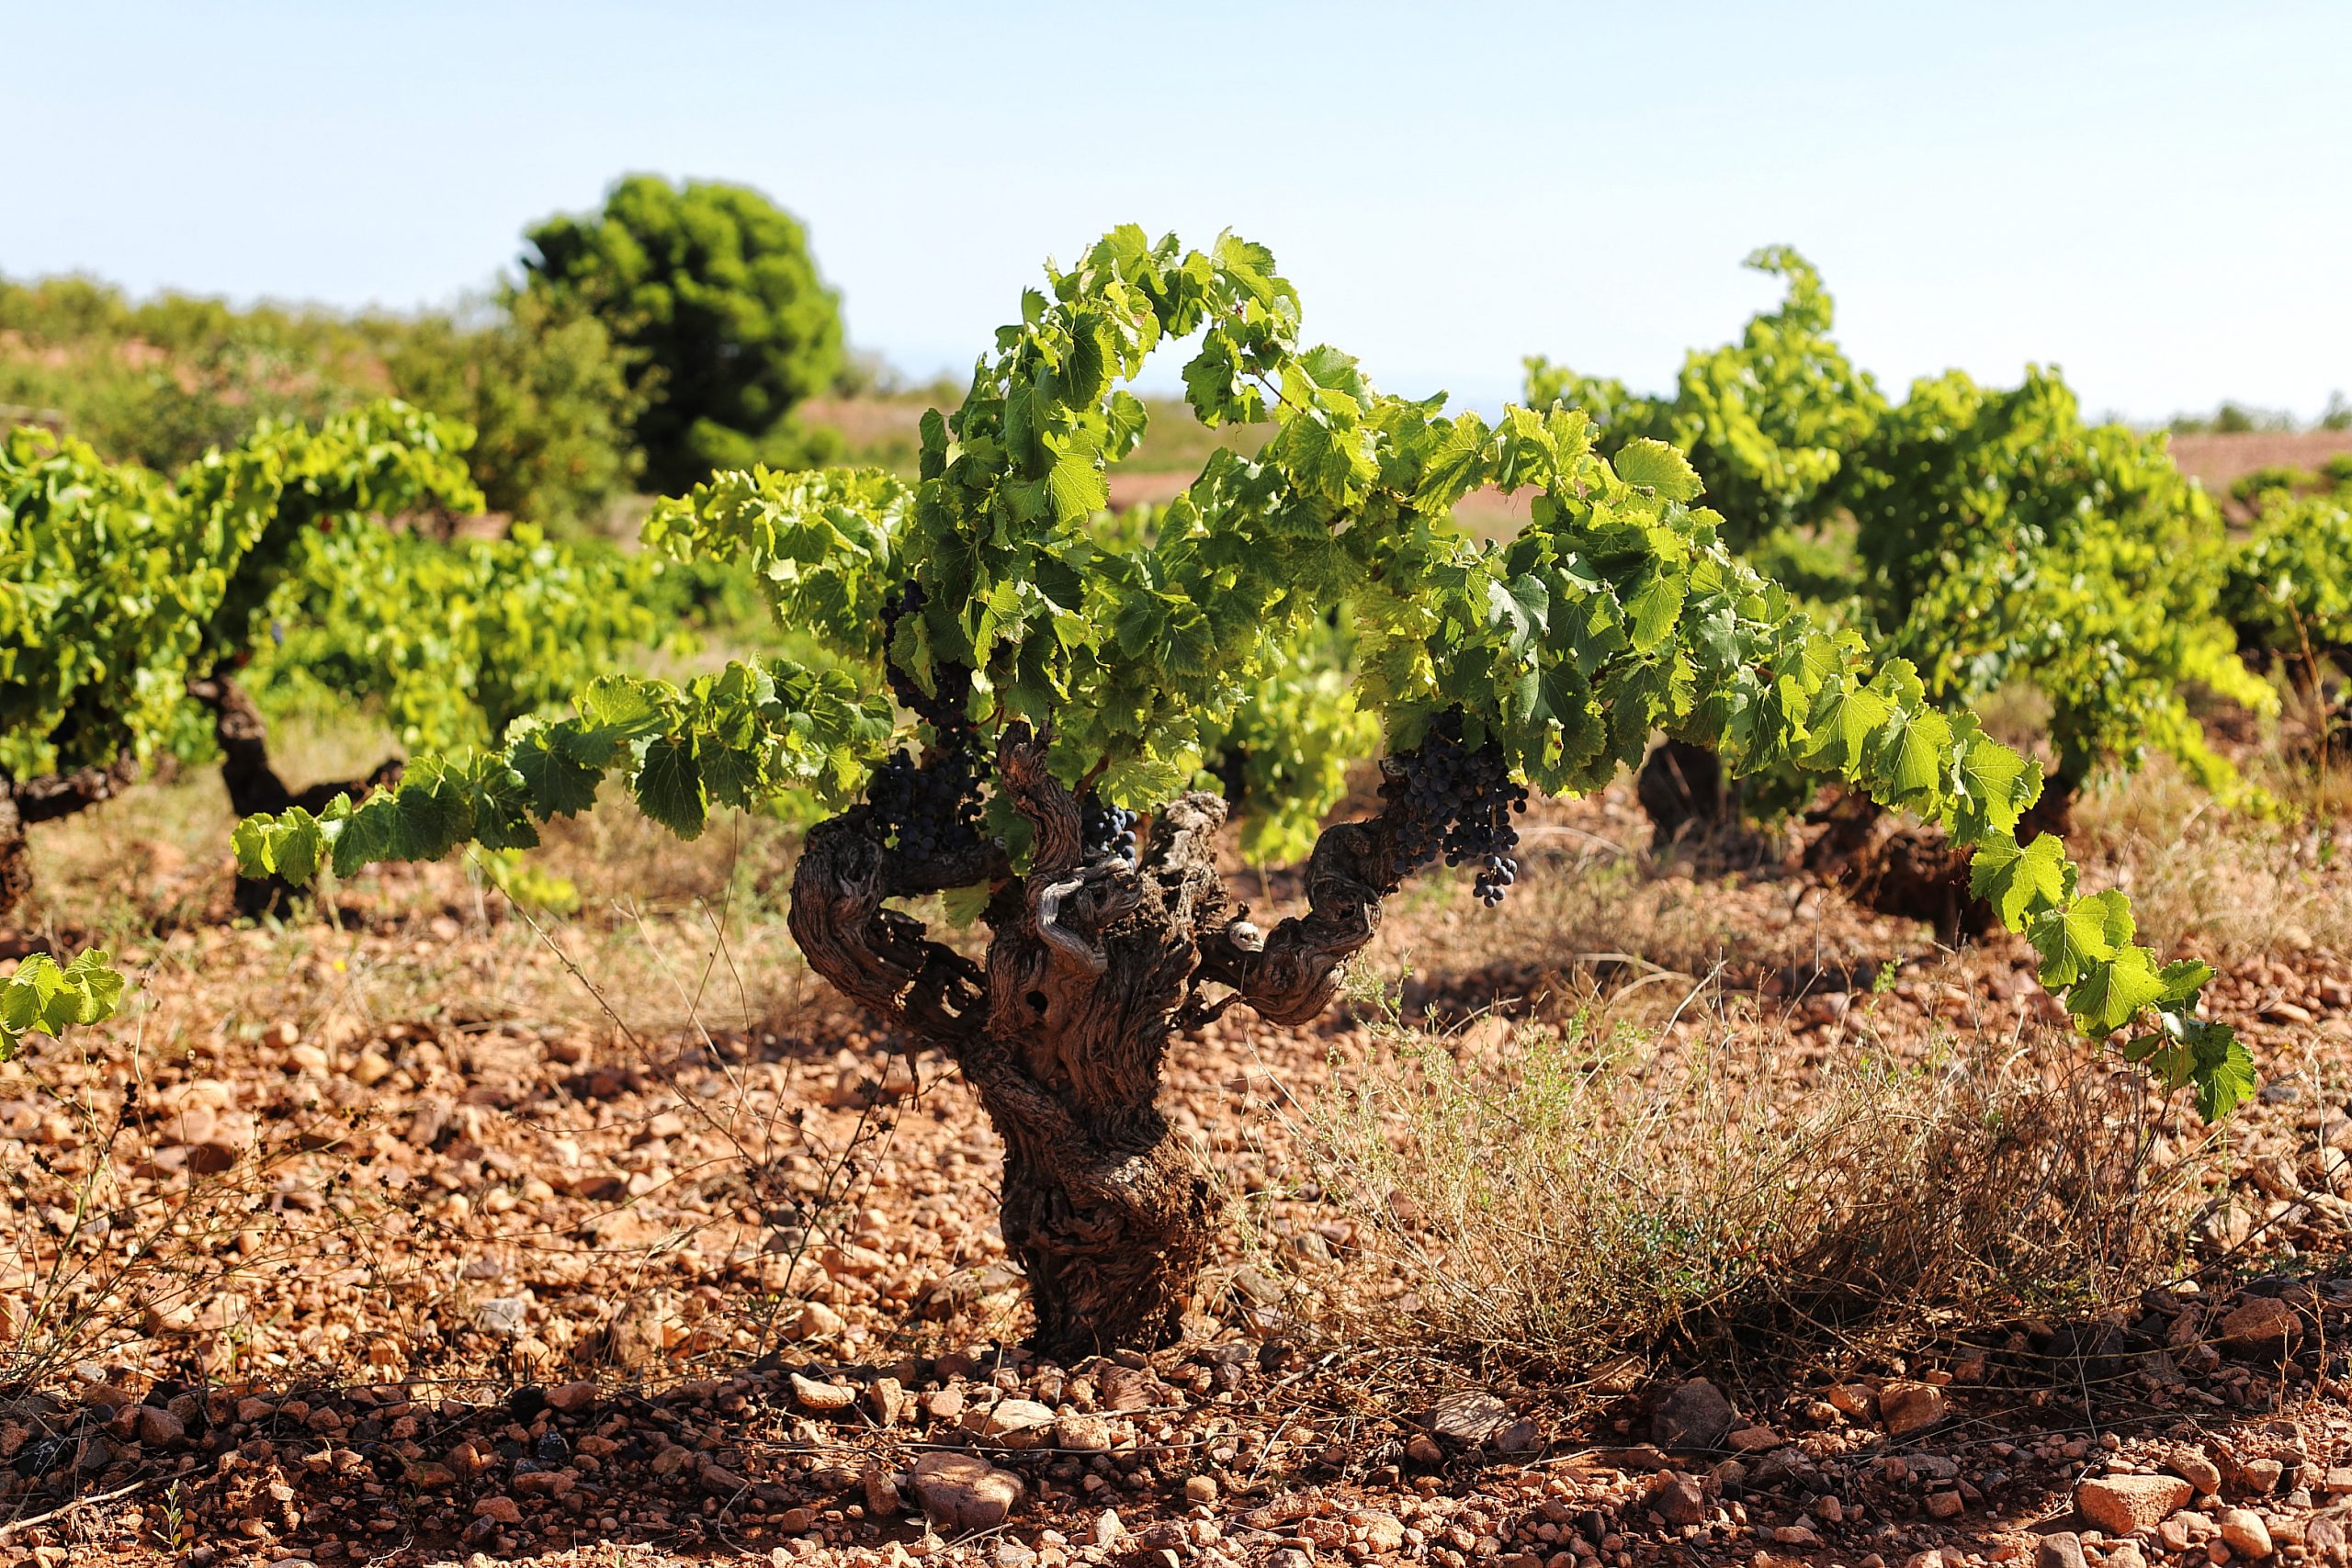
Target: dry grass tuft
(1565, 1199)
(2226, 886)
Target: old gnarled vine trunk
(253, 783)
(1092, 971)
(45, 798)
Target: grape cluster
(942, 710)
(932, 808)
(1105, 832)
(1446, 796)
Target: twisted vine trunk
(1092, 970)
(253, 783)
(1917, 872)
(24, 802)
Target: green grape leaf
(1999, 783)
(2019, 881)
(556, 783)
(1655, 465)
(2073, 941)
(669, 788)
(48, 998)
(1912, 754)
(961, 905)
(1654, 607)
(1077, 486)
(2110, 993)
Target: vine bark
(1092, 970)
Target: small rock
(2244, 1532)
(1754, 1439)
(965, 1490)
(1383, 1533)
(2260, 1475)
(881, 1492)
(2192, 1466)
(1108, 1529)
(1521, 1437)
(1695, 1414)
(1086, 1434)
(1853, 1398)
(887, 1397)
(1946, 1505)
(571, 1398)
(1468, 1418)
(106, 1396)
(160, 1428)
(818, 1321)
(503, 1314)
(2063, 1550)
(500, 1509)
(1908, 1407)
(1011, 1423)
(2125, 1504)
(1422, 1449)
(1679, 1499)
(1200, 1490)
(822, 1397)
(2262, 1326)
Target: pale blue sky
(2152, 196)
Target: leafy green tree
(713, 288)
(1055, 681)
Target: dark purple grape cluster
(1105, 832)
(1445, 796)
(931, 809)
(943, 709)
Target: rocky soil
(430, 1238)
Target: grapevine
(1110, 668)
(1997, 536)
(134, 612)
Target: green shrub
(712, 286)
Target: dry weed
(2226, 886)
(1564, 1196)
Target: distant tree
(713, 287)
(2233, 419)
